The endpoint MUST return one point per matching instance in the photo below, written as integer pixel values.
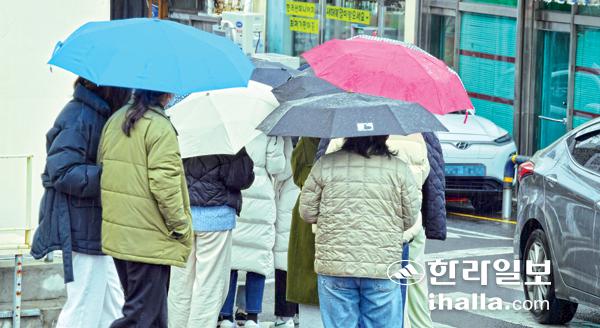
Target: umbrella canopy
(221, 121)
(272, 73)
(304, 86)
(348, 115)
(389, 70)
(152, 54)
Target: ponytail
(142, 100)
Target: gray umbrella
(348, 115)
(272, 73)
(304, 86)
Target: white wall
(31, 96)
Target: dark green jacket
(301, 276)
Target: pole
(17, 291)
(507, 190)
(322, 20)
(380, 18)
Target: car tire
(559, 311)
(487, 204)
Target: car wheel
(558, 311)
(487, 204)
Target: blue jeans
(255, 287)
(348, 302)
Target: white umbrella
(221, 121)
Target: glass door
(442, 39)
(553, 85)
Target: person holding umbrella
(70, 212)
(146, 219)
(362, 199)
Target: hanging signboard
(348, 15)
(304, 25)
(297, 8)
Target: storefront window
(587, 76)
(347, 18)
(441, 43)
(293, 26)
(487, 56)
(556, 6)
(512, 3)
(589, 10)
(553, 86)
(394, 19)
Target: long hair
(115, 97)
(142, 100)
(368, 146)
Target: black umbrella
(271, 73)
(304, 86)
(348, 115)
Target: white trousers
(417, 313)
(309, 316)
(95, 297)
(198, 291)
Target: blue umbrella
(153, 54)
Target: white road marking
(513, 287)
(476, 234)
(452, 235)
(466, 253)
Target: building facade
(532, 67)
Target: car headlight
(504, 139)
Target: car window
(585, 149)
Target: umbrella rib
(228, 139)
(437, 92)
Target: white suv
(475, 153)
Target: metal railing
(28, 201)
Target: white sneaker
(284, 323)
(227, 324)
(296, 320)
(251, 324)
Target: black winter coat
(217, 180)
(70, 213)
(434, 190)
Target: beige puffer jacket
(412, 149)
(362, 206)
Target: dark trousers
(145, 287)
(283, 308)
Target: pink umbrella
(393, 70)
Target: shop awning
(578, 2)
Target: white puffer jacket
(286, 194)
(254, 234)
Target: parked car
(558, 220)
(475, 153)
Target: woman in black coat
(198, 291)
(70, 212)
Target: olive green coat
(301, 276)
(145, 203)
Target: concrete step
(41, 280)
(49, 311)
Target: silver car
(559, 220)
